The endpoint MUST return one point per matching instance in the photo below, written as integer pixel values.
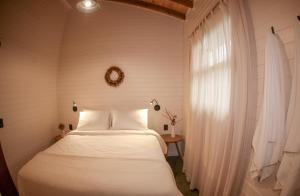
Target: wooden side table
(169, 140)
(58, 137)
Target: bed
(100, 162)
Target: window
(210, 67)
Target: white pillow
(93, 120)
(130, 119)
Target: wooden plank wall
(146, 45)
(31, 32)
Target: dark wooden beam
(155, 7)
(186, 3)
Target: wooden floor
(182, 184)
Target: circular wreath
(117, 81)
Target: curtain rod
(206, 16)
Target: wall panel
(146, 45)
(31, 33)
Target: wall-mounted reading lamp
(74, 107)
(156, 104)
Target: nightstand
(58, 137)
(169, 140)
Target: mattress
(106, 163)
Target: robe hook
(272, 29)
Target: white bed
(102, 163)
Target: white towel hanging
(270, 134)
(288, 175)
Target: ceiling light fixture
(88, 6)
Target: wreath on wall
(114, 82)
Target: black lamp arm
(154, 101)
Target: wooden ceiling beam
(155, 7)
(186, 3)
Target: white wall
(148, 46)
(30, 32)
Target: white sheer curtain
(222, 104)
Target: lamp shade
(74, 107)
(156, 104)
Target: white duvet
(102, 163)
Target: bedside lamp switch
(1, 123)
(166, 127)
